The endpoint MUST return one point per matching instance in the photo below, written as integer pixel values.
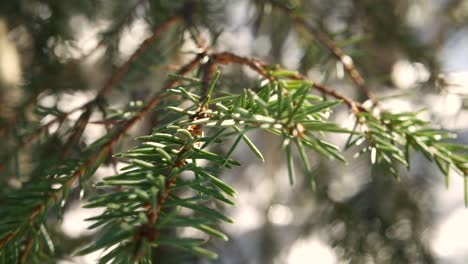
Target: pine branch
(147, 230)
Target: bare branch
(333, 48)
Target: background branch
(339, 54)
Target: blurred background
(413, 54)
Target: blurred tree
(192, 80)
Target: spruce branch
(33, 136)
(147, 230)
(53, 196)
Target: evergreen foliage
(171, 180)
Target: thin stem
(208, 82)
(27, 249)
(117, 77)
(252, 63)
(78, 130)
(321, 37)
(259, 67)
(119, 74)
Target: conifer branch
(119, 74)
(32, 137)
(171, 178)
(87, 107)
(33, 99)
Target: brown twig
(36, 134)
(27, 249)
(127, 18)
(78, 130)
(259, 67)
(252, 63)
(354, 105)
(119, 74)
(333, 48)
(208, 71)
